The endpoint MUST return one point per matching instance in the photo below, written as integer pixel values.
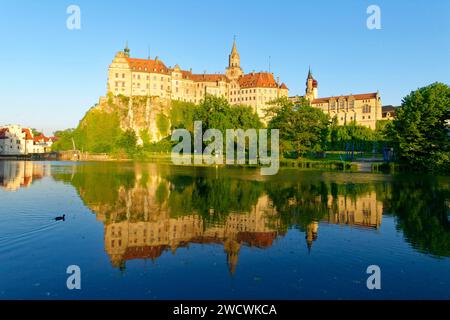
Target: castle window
(117, 75)
(366, 109)
(123, 75)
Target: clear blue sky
(51, 75)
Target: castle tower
(127, 50)
(311, 87)
(234, 70)
(312, 230)
(232, 248)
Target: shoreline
(377, 166)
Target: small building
(16, 141)
(388, 112)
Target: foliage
(126, 142)
(217, 113)
(421, 206)
(36, 132)
(182, 115)
(420, 130)
(64, 141)
(162, 123)
(302, 127)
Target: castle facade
(362, 109)
(151, 77)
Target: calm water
(151, 231)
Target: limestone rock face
(148, 117)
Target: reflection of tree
(304, 202)
(99, 183)
(298, 204)
(215, 199)
(421, 206)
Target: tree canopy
(420, 130)
(302, 127)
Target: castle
(151, 77)
(362, 109)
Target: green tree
(420, 131)
(302, 127)
(217, 113)
(182, 115)
(64, 141)
(127, 141)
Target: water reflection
(19, 174)
(149, 209)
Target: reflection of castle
(363, 211)
(128, 240)
(153, 209)
(18, 174)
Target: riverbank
(332, 161)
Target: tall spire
(309, 73)
(234, 49)
(234, 70)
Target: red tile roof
(149, 66)
(186, 74)
(208, 77)
(257, 80)
(144, 252)
(3, 132)
(257, 239)
(283, 86)
(28, 135)
(362, 96)
(41, 138)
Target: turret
(127, 50)
(234, 70)
(311, 92)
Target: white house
(15, 140)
